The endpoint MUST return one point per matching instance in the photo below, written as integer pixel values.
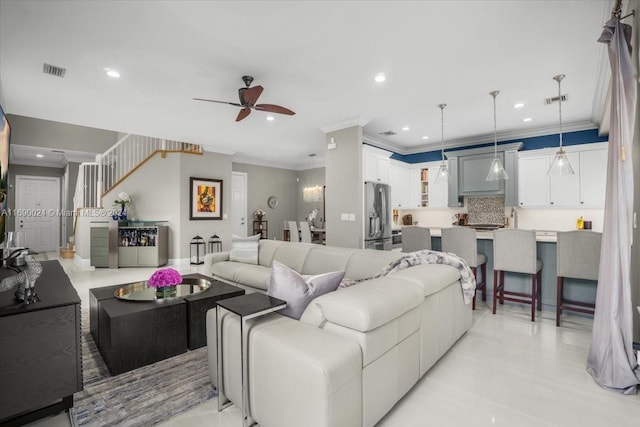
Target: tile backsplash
(486, 210)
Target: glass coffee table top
(141, 291)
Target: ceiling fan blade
(235, 104)
(249, 96)
(272, 108)
(243, 113)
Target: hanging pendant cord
(559, 78)
(442, 106)
(495, 126)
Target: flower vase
(123, 213)
(166, 291)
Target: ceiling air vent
(388, 133)
(548, 101)
(53, 70)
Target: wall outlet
(344, 217)
(352, 217)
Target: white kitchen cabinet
(564, 190)
(399, 179)
(438, 191)
(585, 188)
(376, 167)
(593, 177)
(533, 182)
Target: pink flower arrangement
(165, 277)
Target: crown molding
(483, 139)
(357, 121)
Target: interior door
(38, 211)
(239, 203)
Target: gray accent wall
(208, 165)
(63, 136)
(264, 182)
(345, 188)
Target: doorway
(37, 211)
(239, 203)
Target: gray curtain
(611, 360)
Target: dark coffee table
(134, 333)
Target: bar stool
(579, 258)
(515, 251)
(463, 243)
(415, 238)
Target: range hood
(468, 171)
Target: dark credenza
(40, 355)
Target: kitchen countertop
(541, 235)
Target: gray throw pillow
(298, 290)
(244, 249)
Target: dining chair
(579, 258)
(415, 238)
(515, 251)
(294, 236)
(305, 232)
(463, 242)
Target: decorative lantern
(197, 250)
(215, 244)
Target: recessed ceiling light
(406, 128)
(425, 137)
(527, 119)
(518, 105)
(270, 118)
(380, 78)
(39, 155)
(112, 73)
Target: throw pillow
(244, 249)
(298, 290)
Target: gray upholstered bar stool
(463, 242)
(515, 251)
(579, 258)
(415, 238)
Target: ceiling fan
(248, 98)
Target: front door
(37, 211)
(239, 203)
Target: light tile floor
(505, 371)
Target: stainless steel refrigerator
(377, 216)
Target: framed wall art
(206, 198)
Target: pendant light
(443, 170)
(560, 164)
(496, 170)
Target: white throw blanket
(467, 279)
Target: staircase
(95, 179)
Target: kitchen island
(574, 289)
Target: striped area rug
(142, 397)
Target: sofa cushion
(326, 258)
(293, 255)
(298, 290)
(431, 277)
(364, 264)
(266, 250)
(366, 305)
(244, 249)
(255, 276)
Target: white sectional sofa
(355, 352)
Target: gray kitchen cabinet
(468, 171)
(473, 172)
(99, 246)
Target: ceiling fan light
(496, 171)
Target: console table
(40, 349)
